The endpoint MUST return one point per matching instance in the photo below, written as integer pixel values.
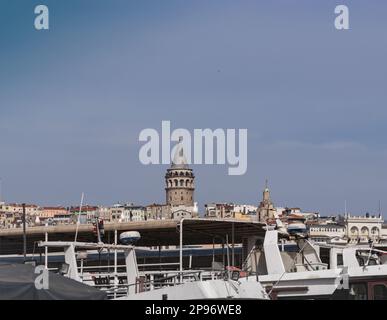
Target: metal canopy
(153, 233)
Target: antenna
(345, 207)
(79, 215)
(1, 190)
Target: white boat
(127, 283)
(220, 289)
(320, 271)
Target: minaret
(180, 181)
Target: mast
(380, 209)
(79, 215)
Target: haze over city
(74, 99)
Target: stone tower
(266, 210)
(180, 182)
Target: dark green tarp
(17, 282)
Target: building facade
(362, 229)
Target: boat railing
(169, 264)
(115, 283)
(154, 280)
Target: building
(63, 218)
(17, 209)
(349, 229)
(51, 212)
(85, 215)
(158, 211)
(230, 210)
(116, 212)
(362, 229)
(104, 213)
(11, 214)
(131, 212)
(180, 188)
(219, 210)
(245, 209)
(7, 220)
(326, 233)
(266, 210)
(180, 182)
(307, 216)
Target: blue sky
(74, 99)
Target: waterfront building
(158, 211)
(230, 210)
(104, 213)
(116, 212)
(132, 212)
(62, 218)
(219, 210)
(245, 209)
(85, 215)
(11, 214)
(325, 233)
(7, 220)
(362, 229)
(51, 212)
(17, 209)
(349, 229)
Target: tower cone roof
(179, 159)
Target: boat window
(358, 291)
(380, 292)
(360, 260)
(372, 262)
(340, 261)
(325, 256)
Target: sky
(73, 99)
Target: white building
(352, 229)
(131, 212)
(326, 232)
(219, 210)
(179, 212)
(245, 209)
(361, 229)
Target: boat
(320, 271)
(126, 282)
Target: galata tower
(180, 182)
